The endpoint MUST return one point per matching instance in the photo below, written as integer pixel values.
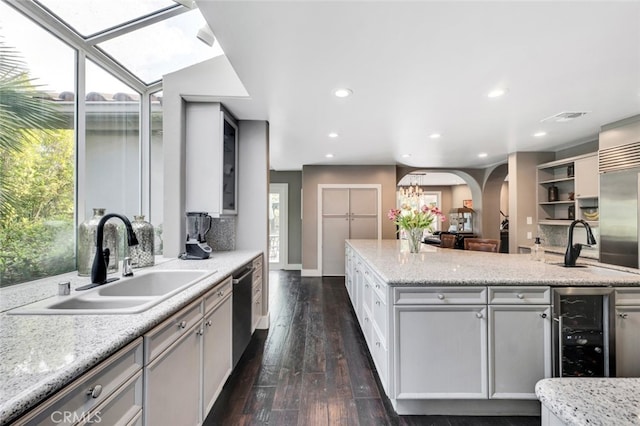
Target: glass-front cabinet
(229, 165)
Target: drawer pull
(183, 324)
(479, 315)
(377, 286)
(378, 344)
(520, 296)
(543, 316)
(441, 296)
(378, 302)
(623, 315)
(200, 332)
(95, 391)
(220, 293)
(208, 323)
(366, 319)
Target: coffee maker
(198, 224)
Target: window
(37, 152)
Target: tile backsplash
(557, 236)
(222, 235)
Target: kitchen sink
(152, 283)
(128, 295)
(600, 270)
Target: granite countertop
(391, 260)
(592, 401)
(42, 353)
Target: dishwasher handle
(243, 276)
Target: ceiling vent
(563, 117)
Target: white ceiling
(422, 67)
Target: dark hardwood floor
(312, 367)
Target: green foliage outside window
(36, 179)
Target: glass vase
(87, 243)
(142, 254)
(414, 237)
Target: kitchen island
(42, 354)
(461, 332)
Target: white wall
(212, 80)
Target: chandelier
(411, 191)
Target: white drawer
(121, 407)
(627, 296)
(163, 335)
(76, 400)
(440, 295)
(257, 262)
(379, 355)
(380, 314)
(217, 295)
(519, 295)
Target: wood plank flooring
(312, 367)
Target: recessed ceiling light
(333, 135)
(329, 155)
(343, 93)
(540, 134)
(406, 155)
(496, 93)
(483, 155)
(434, 135)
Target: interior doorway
(278, 221)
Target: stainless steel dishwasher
(241, 330)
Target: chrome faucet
(573, 250)
(101, 260)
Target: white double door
(347, 213)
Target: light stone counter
(42, 353)
(592, 401)
(437, 266)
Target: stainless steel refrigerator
(619, 190)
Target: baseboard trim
(263, 323)
(310, 273)
(293, 267)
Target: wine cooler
(583, 332)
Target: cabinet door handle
(95, 391)
(208, 323)
(543, 315)
(479, 315)
(183, 324)
(623, 315)
(220, 293)
(377, 286)
(200, 332)
(378, 302)
(378, 344)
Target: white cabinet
(627, 332)
(587, 177)
(172, 376)
(519, 340)
(188, 359)
(216, 343)
(440, 351)
(110, 393)
(211, 151)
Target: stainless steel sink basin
(126, 296)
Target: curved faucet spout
(573, 250)
(101, 260)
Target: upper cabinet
(568, 190)
(211, 155)
(229, 164)
(587, 179)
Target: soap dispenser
(537, 252)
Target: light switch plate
(529, 221)
(529, 236)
